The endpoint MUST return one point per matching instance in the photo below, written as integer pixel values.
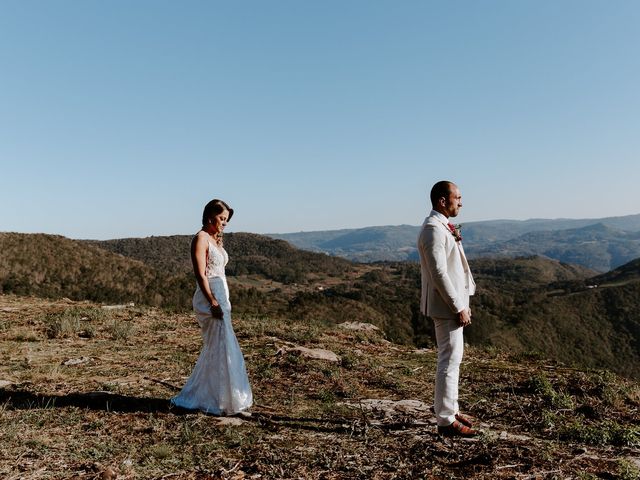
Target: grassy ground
(84, 394)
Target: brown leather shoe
(457, 429)
(463, 419)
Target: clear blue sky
(122, 118)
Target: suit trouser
(450, 349)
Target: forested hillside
(531, 305)
(54, 266)
(248, 254)
(574, 321)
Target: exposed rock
(360, 326)
(423, 351)
(391, 408)
(76, 361)
(229, 421)
(504, 435)
(127, 465)
(316, 353)
(118, 307)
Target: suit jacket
(447, 282)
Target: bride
(218, 384)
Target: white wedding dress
(218, 384)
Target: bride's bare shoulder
(199, 238)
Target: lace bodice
(217, 259)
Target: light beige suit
(447, 283)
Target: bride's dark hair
(213, 208)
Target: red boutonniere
(455, 231)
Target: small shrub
(187, 433)
(326, 396)
(563, 401)
(62, 325)
(183, 360)
(541, 385)
(609, 388)
(75, 322)
(162, 325)
(161, 451)
(624, 435)
(348, 361)
(120, 330)
(233, 438)
(491, 350)
(587, 476)
(25, 336)
(529, 356)
(549, 419)
(609, 433)
(627, 470)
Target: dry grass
(89, 395)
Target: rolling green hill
(248, 254)
(530, 305)
(54, 266)
(567, 319)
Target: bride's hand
(216, 311)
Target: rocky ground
(85, 389)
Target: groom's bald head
(440, 190)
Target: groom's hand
(464, 317)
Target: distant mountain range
(599, 244)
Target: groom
(447, 284)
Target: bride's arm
(199, 249)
